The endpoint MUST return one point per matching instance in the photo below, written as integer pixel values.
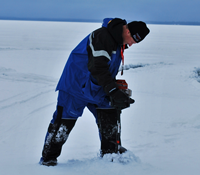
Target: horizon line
(95, 20)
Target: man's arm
(99, 54)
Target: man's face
(127, 38)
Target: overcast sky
(96, 10)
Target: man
(89, 80)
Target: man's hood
(115, 28)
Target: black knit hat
(138, 30)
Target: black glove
(120, 99)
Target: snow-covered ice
(161, 130)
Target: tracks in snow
(23, 97)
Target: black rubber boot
(110, 130)
(57, 135)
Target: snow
(161, 130)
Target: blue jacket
(93, 64)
